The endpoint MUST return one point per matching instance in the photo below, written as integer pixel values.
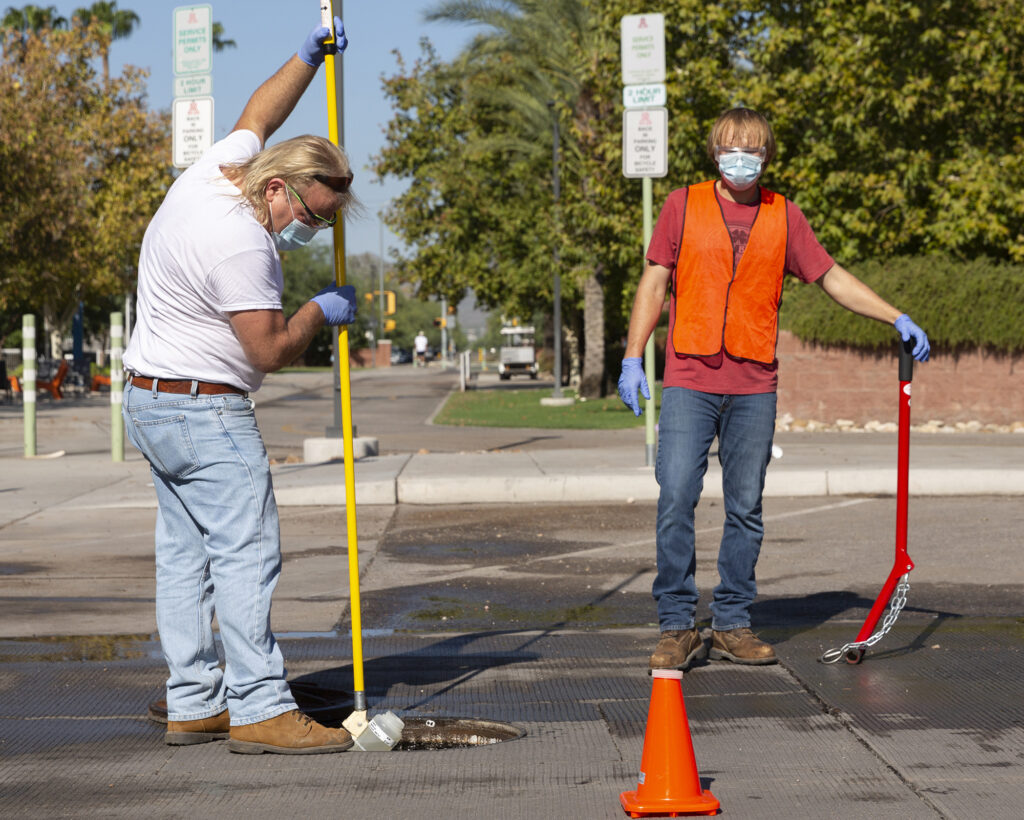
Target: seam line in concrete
(847, 723)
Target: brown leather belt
(173, 386)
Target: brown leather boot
(292, 733)
(677, 649)
(741, 646)
(190, 732)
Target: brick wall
(825, 385)
(367, 357)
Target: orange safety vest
(717, 308)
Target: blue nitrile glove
(338, 304)
(312, 51)
(633, 378)
(907, 329)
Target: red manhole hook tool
(897, 584)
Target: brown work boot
(292, 733)
(190, 732)
(677, 649)
(741, 646)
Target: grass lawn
(522, 408)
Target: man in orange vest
(722, 247)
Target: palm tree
(117, 23)
(548, 49)
(33, 18)
(219, 43)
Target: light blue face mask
(294, 235)
(740, 169)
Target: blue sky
(267, 33)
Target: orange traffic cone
(669, 785)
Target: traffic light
(389, 325)
(439, 322)
(389, 300)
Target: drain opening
(419, 734)
(431, 734)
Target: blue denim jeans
(688, 424)
(218, 548)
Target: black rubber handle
(906, 359)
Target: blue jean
(218, 548)
(688, 424)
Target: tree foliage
(900, 128)
(455, 215)
(85, 167)
(963, 305)
(116, 24)
(496, 191)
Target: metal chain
(896, 604)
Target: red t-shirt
(806, 259)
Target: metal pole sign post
(192, 109)
(116, 387)
(28, 381)
(645, 143)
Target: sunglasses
(339, 185)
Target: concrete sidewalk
(811, 465)
(607, 468)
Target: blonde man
(722, 248)
(210, 327)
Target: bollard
(28, 381)
(116, 387)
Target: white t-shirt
(203, 255)
(421, 343)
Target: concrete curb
(575, 488)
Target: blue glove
(907, 329)
(312, 51)
(338, 304)
(633, 378)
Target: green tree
(33, 18)
(82, 173)
(505, 85)
(116, 23)
(899, 128)
(902, 123)
(219, 43)
(462, 213)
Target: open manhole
(419, 733)
(430, 734)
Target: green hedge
(960, 305)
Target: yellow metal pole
(356, 722)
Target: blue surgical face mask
(294, 235)
(740, 169)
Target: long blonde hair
(298, 161)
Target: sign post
(28, 381)
(192, 109)
(116, 386)
(645, 143)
